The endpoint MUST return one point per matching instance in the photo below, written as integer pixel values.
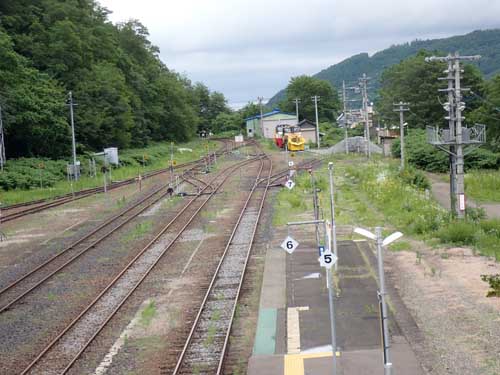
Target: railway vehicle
(289, 136)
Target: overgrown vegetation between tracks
(376, 193)
(32, 178)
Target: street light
(381, 294)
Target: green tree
(489, 112)
(416, 81)
(305, 87)
(33, 107)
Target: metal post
(332, 207)
(75, 174)
(316, 99)
(331, 305)
(105, 182)
(315, 206)
(383, 306)
(330, 287)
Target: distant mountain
(485, 43)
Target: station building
(269, 122)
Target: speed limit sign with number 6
(289, 245)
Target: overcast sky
(246, 49)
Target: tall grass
(156, 157)
(483, 186)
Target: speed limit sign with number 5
(289, 245)
(327, 259)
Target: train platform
(293, 332)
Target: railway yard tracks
(203, 345)
(15, 211)
(65, 348)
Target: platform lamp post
(384, 318)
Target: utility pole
(71, 104)
(454, 139)
(316, 99)
(297, 101)
(402, 108)
(260, 99)
(2, 142)
(344, 101)
(363, 83)
(171, 162)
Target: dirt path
(441, 192)
(445, 294)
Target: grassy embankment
(483, 186)
(27, 172)
(373, 193)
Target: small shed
(308, 130)
(269, 122)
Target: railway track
(64, 350)
(36, 277)
(206, 345)
(19, 210)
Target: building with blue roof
(269, 122)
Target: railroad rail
(206, 345)
(18, 210)
(34, 278)
(56, 357)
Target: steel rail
(70, 197)
(81, 252)
(180, 361)
(128, 266)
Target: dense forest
(485, 43)
(125, 96)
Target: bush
(458, 233)
(423, 155)
(491, 227)
(415, 178)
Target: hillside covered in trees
(125, 95)
(485, 43)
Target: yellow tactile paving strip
(294, 363)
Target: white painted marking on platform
(293, 329)
(316, 275)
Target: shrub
(415, 177)
(494, 282)
(491, 227)
(458, 233)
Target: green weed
(148, 314)
(139, 231)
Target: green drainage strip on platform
(265, 338)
